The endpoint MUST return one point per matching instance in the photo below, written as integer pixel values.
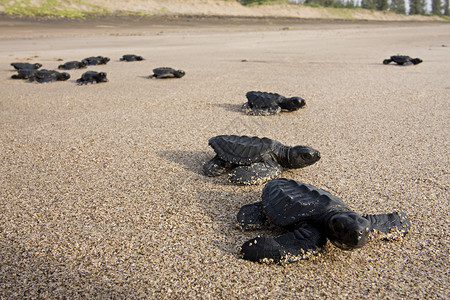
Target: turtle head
(101, 77)
(37, 65)
(179, 73)
(293, 103)
(302, 156)
(63, 76)
(348, 230)
(416, 61)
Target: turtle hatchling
(43, 76)
(263, 103)
(73, 65)
(402, 60)
(91, 77)
(310, 216)
(24, 74)
(131, 57)
(20, 65)
(96, 60)
(165, 72)
(254, 160)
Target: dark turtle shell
(73, 65)
(19, 65)
(163, 72)
(91, 77)
(286, 203)
(96, 60)
(241, 150)
(131, 57)
(24, 74)
(44, 75)
(400, 59)
(263, 99)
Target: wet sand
(102, 192)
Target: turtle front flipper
(216, 167)
(251, 216)
(389, 226)
(289, 247)
(256, 173)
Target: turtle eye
(306, 156)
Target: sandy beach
(101, 187)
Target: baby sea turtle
(310, 215)
(24, 74)
(402, 60)
(44, 75)
(131, 57)
(20, 65)
(96, 60)
(73, 65)
(165, 72)
(254, 160)
(263, 103)
(91, 77)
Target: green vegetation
(260, 2)
(82, 8)
(57, 8)
(438, 7)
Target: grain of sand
(101, 189)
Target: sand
(101, 186)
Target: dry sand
(101, 189)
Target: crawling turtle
(165, 72)
(402, 60)
(73, 65)
(254, 160)
(310, 215)
(131, 57)
(96, 60)
(263, 103)
(91, 77)
(20, 65)
(44, 75)
(24, 74)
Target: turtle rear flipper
(389, 226)
(256, 173)
(289, 247)
(251, 216)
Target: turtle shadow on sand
(190, 160)
(221, 207)
(193, 161)
(230, 107)
(217, 202)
